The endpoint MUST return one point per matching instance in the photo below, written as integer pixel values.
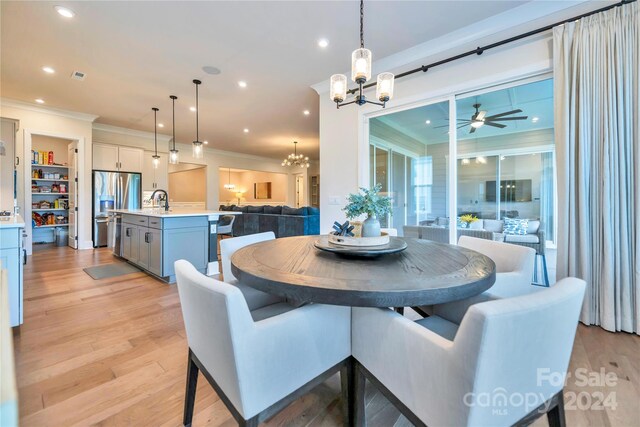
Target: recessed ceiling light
(306, 112)
(65, 11)
(535, 119)
(242, 84)
(192, 109)
(245, 130)
(323, 43)
(48, 70)
(206, 142)
(39, 100)
(160, 125)
(428, 122)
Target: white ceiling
(136, 54)
(534, 99)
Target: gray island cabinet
(154, 243)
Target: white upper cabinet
(105, 157)
(109, 157)
(130, 159)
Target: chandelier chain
(362, 24)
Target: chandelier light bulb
(384, 87)
(338, 92)
(361, 65)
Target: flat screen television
(511, 190)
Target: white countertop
(160, 212)
(14, 221)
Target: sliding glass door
(408, 156)
(503, 163)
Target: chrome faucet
(166, 198)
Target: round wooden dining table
(425, 273)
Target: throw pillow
(274, 210)
(515, 226)
(255, 209)
(286, 210)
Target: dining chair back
(514, 269)
(229, 246)
(225, 225)
(507, 359)
(257, 368)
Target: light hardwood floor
(113, 352)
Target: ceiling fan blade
(503, 114)
(472, 130)
(495, 125)
(509, 118)
(462, 126)
(481, 115)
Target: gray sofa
(282, 220)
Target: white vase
(371, 227)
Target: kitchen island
(153, 239)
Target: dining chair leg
(535, 269)
(347, 376)
(359, 418)
(190, 393)
(556, 416)
(399, 310)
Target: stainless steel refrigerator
(113, 190)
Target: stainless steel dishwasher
(114, 234)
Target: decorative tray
(395, 245)
(359, 241)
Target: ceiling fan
(480, 118)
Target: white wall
(343, 144)
(36, 120)
(213, 159)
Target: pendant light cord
(155, 129)
(362, 24)
(197, 83)
(173, 101)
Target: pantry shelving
(49, 196)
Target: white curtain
(598, 156)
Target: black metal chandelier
(360, 73)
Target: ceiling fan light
(384, 87)
(361, 65)
(338, 87)
(477, 123)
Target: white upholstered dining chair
(514, 270)
(257, 368)
(497, 368)
(255, 298)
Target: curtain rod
(481, 49)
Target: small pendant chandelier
(229, 185)
(360, 73)
(174, 157)
(156, 158)
(197, 144)
(295, 159)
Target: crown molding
(504, 21)
(130, 132)
(13, 103)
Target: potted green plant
(371, 203)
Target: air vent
(78, 75)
